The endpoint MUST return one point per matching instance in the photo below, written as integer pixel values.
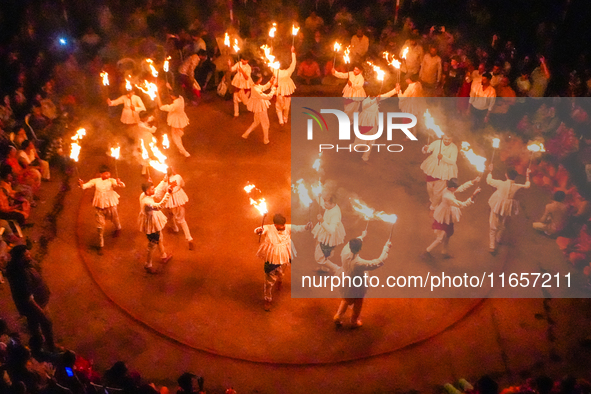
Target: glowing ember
(127, 85)
(536, 147)
(165, 141)
(75, 151)
(273, 30)
(294, 30)
(151, 63)
(261, 205)
(166, 64)
(115, 152)
(79, 134)
(386, 218)
(105, 77)
(363, 209)
(226, 40)
(149, 88)
(430, 124)
(404, 53)
(478, 161)
(496, 142)
(249, 188)
(302, 192)
(236, 47)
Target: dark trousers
(40, 327)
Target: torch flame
(536, 147)
(165, 67)
(404, 53)
(395, 63)
(261, 206)
(79, 134)
(363, 209)
(75, 151)
(337, 47)
(496, 142)
(430, 124)
(478, 161)
(127, 85)
(105, 77)
(392, 62)
(157, 153)
(316, 189)
(249, 188)
(302, 192)
(386, 218)
(151, 63)
(115, 152)
(346, 58)
(227, 40)
(149, 88)
(236, 47)
(273, 30)
(165, 141)
(294, 30)
(145, 154)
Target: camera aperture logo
(363, 141)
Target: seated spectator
(27, 176)
(13, 205)
(29, 157)
(190, 384)
(38, 121)
(555, 217)
(309, 71)
(118, 377)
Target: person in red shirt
(309, 72)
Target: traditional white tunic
(177, 117)
(150, 219)
(285, 84)
(178, 197)
(449, 211)
(276, 246)
(131, 108)
(239, 81)
(356, 88)
(412, 100)
(331, 231)
(443, 169)
(104, 195)
(502, 201)
(259, 101)
(354, 265)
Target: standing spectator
(497, 75)
(430, 74)
(506, 98)
(359, 45)
(453, 78)
(482, 100)
(187, 77)
(414, 57)
(539, 78)
(31, 296)
(313, 22)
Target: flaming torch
(260, 205)
(337, 48)
(302, 192)
(159, 164)
(495, 144)
(404, 53)
(273, 30)
(75, 147)
(478, 161)
(165, 141)
(294, 33)
(363, 209)
(394, 63)
(149, 88)
(115, 155)
(346, 57)
(380, 74)
(227, 40)
(165, 68)
(388, 219)
(430, 124)
(152, 68)
(236, 47)
(128, 85)
(105, 77)
(534, 147)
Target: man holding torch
(176, 202)
(353, 91)
(259, 103)
(177, 119)
(285, 88)
(276, 252)
(242, 83)
(447, 214)
(439, 167)
(152, 221)
(132, 106)
(105, 202)
(502, 203)
(329, 232)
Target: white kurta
(104, 195)
(449, 211)
(356, 88)
(178, 197)
(285, 84)
(443, 169)
(177, 117)
(353, 266)
(331, 231)
(502, 201)
(151, 219)
(412, 100)
(239, 81)
(370, 109)
(131, 108)
(259, 101)
(276, 246)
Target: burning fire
(145, 154)
(160, 163)
(346, 57)
(337, 47)
(227, 40)
(236, 47)
(316, 189)
(249, 188)
(271, 59)
(536, 147)
(392, 61)
(496, 142)
(152, 68)
(261, 205)
(302, 192)
(404, 53)
(430, 124)
(79, 134)
(165, 141)
(386, 218)
(273, 30)
(75, 151)
(478, 161)
(165, 67)
(105, 77)
(149, 88)
(115, 152)
(294, 30)
(127, 85)
(316, 164)
(363, 209)
(381, 73)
